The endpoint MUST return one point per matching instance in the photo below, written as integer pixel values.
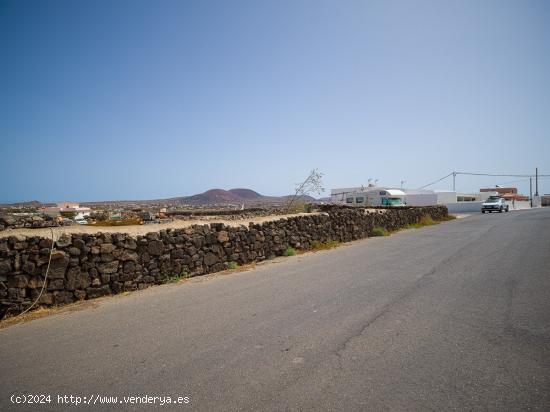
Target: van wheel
(500, 210)
(483, 211)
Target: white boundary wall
(463, 207)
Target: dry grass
(380, 231)
(317, 245)
(429, 221)
(289, 251)
(47, 311)
(424, 221)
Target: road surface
(448, 317)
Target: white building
(69, 207)
(456, 202)
(374, 197)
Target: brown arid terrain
(136, 230)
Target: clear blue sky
(150, 99)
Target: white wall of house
(414, 197)
(339, 195)
(81, 215)
(464, 207)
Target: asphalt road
(448, 317)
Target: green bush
(318, 245)
(297, 207)
(379, 231)
(289, 251)
(424, 221)
(176, 278)
(232, 265)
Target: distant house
(508, 193)
(69, 207)
(147, 216)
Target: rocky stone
(20, 245)
(5, 267)
(107, 248)
(79, 294)
(109, 267)
(129, 243)
(79, 243)
(18, 281)
(58, 265)
(35, 282)
(153, 236)
(46, 299)
(45, 244)
(63, 297)
(73, 251)
(93, 293)
(210, 259)
(63, 241)
(223, 236)
(129, 266)
(124, 255)
(177, 254)
(29, 267)
(55, 284)
(155, 247)
(107, 258)
(73, 279)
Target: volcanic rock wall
(87, 266)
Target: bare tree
(312, 184)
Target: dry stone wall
(30, 221)
(87, 266)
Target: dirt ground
(136, 230)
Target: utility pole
(403, 181)
(536, 182)
(454, 181)
(531, 191)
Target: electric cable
(438, 180)
(45, 278)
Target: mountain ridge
(209, 197)
(238, 196)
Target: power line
(438, 180)
(480, 174)
(522, 180)
(492, 174)
(514, 181)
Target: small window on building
(349, 200)
(359, 199)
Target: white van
(378, 197)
